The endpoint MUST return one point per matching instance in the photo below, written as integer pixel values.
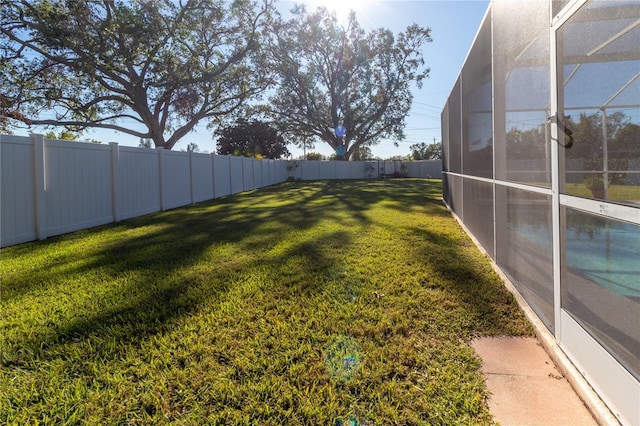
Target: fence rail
(50, 187)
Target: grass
(333, 303)
(623, 193)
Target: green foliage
(422, 151)
(588, 137)
(63, 135)
(302, 303)
(526, 144)
(314, 156)
(68, 135)
(145, 143)
(362, 153)
(622, 150)
(251, 139)
(587, 152)
(331, 75)
(594, 182)
(161, 65)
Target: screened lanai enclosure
(541, 139)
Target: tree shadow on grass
(162, 241)
(164, 302)
(157, 301)
(154, 248)
(461, 271)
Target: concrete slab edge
(600, 411)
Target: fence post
(242, 172)
(254, 184)
(161, 175)
(40, 185)
(191, 174)
(115, 157)
(230, 175)
(213, 173)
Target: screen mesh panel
(522, 100)
(524, 250)
(600, 282)
(477, 121)
(455, 161)
(599, 93)
(478, 211)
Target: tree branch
(83, 124)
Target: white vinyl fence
(327, 170)
(50, 187)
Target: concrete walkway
(526, 387)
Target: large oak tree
(148, 68)
(333, 75)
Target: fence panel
(257, 173)
(280, 173)
(138, 177)
(432, 169)
(388, 168)
(343, 170)
(17, 190)
(247, 174)
(357, 169)
(271, 172)
(294, 169)
(327, 170)
(266, 175)
(78, 192)
(201, 177)
(413, 168)
(176, 179)
(424, 169)
(237, 174)
(222, 175)
(309, 170)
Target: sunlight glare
(342, 8)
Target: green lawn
(326, 303)
(623, 193)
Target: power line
(428, 105)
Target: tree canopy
(251, 139)
(362, 154)
(424, 151)
(331, 75)
(151, 69)
(63, 135)
(588, 151)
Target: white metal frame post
(613, 383)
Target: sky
(453, 25)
